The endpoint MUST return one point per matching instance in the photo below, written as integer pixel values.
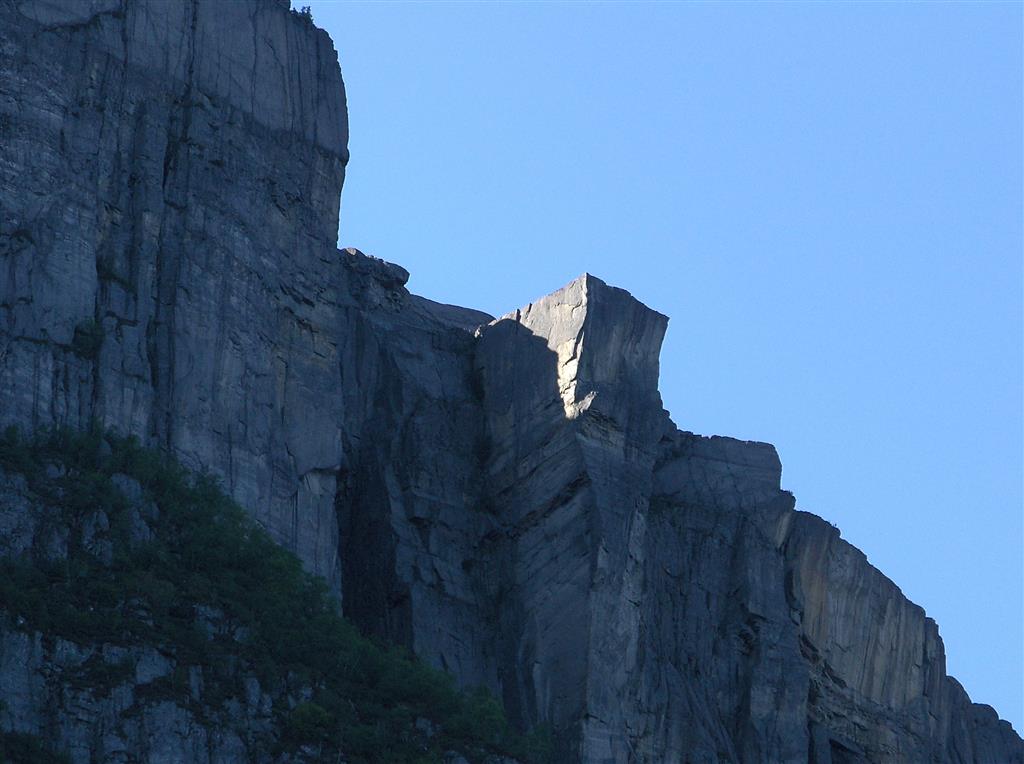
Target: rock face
(507, 497)
(170, 175)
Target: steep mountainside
(505, 497)
(146, 618)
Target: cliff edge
(505, 497)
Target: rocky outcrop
(506, 497)
(573, 421)
(660, 595)
(877, 663)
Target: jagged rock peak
(605, 340)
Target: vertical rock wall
(169, 184)
(507, 497)
(573, 419)
(659, 594)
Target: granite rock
(169, 177)
(507, 497)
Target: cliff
(506, 497)
(171, 175)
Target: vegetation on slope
(19, 748)
(211, 589)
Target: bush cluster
(360, 698)
(19, 748)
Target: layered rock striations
(170, 174)
(505, 496)
(661, 596)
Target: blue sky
(826, 198)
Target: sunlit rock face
(505, 496)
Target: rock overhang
(605, 341)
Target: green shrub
(273, 620)
(310, 723)
(21, 748)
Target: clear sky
(826, 198)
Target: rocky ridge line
(506, 497)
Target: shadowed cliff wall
(508, 498)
